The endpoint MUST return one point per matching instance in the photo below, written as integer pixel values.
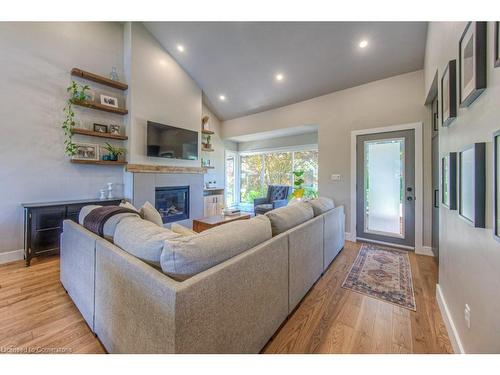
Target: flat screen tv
(165, 141)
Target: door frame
(418, 193)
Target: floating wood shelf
(143, 168)
(207, 149)
(100, 107)
(99, 162)
(208, 132)
(99, 79)
(97, 134)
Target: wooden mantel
(145, 168)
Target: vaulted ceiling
(241, 61)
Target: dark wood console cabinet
(43, 224)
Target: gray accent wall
(392, 101)
(35, 61)
(469, 258)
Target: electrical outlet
(467, 315)
(335, 177)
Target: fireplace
(172, 203)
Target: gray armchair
(277, 196)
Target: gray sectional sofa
(187, 305)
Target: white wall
(392, 101)
(160, 91)
(35, 61)
(469, 258)
(272, 143)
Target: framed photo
(449, 93)
(496, 185)
(497, 45)
(114, 129)
(86, 151)
(472, 184)
(109, 101)
(449, 180)
(100, 128)
(472, 62)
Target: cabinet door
(46, 228)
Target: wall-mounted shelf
(99, 79)
(91, 133)
(207, 149)
(100, 107)
(207, 132)
(99, 162)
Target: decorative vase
(113, 157)
(114, 75)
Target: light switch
(336, 177)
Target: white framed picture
(109, 101)
(86, 151)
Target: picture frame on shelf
(449, 181)
(472, 63)
(86, 151)
(99, 128)
(114, 129)
(497, 44)
(472, 184)
(449, 93)
(109, 101)
(496, 185)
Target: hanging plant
(77, 93)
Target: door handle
(436, 198)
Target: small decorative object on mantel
(98, 128)
(110, 190)
(114, 129)
(207, 143)
(113, 152)
(472, 62)
(114, 75)
(449, 93)
(204, 123)
(86, 151)
(497, 45)
(109, 101)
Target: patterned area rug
(382, 273)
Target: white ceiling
(240, 59)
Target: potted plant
(77, 93)
(113, 152)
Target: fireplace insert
(172, 203)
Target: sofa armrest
(280, 203)
(258, 201)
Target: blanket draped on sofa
(96, 218)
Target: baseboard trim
(425, 250)
(11, 256)
(456, 343)
(348, 237)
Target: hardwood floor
(36, 314)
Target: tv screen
(165, 141)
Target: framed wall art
(449, 180)
(496, 185)
(472, 62)
(497, 44)
(449, 93)
(472, 184)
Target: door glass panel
(384, 187)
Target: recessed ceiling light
(180, 48)
(363, 44)
(279, 77)
(222, 98)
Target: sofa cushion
(285, 218)
(321, 205)
(109, 225)
(150, 213)
(128, 205)
(186, 256)
(142, 239)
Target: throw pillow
(128, 205)
(321, 205)
(148, 212)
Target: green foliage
(114, 151)
(77, 93)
